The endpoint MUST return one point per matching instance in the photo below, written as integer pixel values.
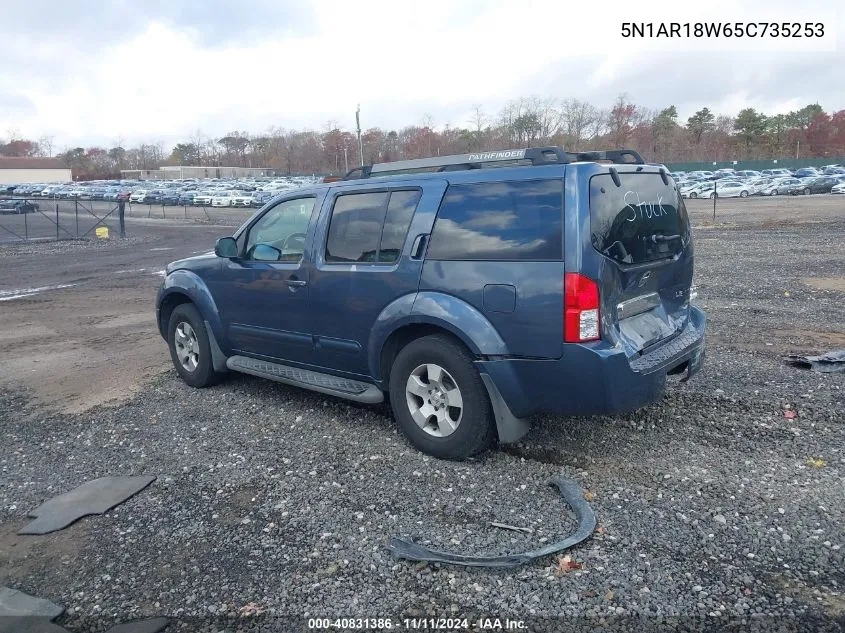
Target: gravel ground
(717, 507)
(69, 246)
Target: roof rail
(533, 156)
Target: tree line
(573, 124)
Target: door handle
(418, 248)
(298, 283)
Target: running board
(315, 381)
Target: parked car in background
(805, 172)
(170, 197)
(838, 189)
(223, 198)
(138, 195)
(186, 198)
(202, 199)
(260, 198)
(821, 184)
(778, 187)
(152, 197)
(757, 184)
(697, 189)
(728, 189)
(14, 207)
(241, 199)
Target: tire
(713, 195)
(198, 370)
(472, 429)
(774, 192)
(693, 195)
(743, 194)
(806, 192)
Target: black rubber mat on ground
(93, 497)
(22, 613)
(152, 625)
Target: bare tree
(45, 146)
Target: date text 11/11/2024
(417, 624)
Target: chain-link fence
(24, 218)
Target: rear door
(363, 262)
(639, 249)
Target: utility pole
(358, 126)
(345, 160)
(797, 147)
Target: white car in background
(241, 199)
(203, 199)
(728, 189)
(779, 187)
(838, 189)
(697, 190)
(137, 195)
(758, 184)
(223, 198)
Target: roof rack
(533, 156)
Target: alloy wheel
(434, 400)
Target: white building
(22, 170)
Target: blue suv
(473, 291)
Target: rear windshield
(642, 220)
(519, 221)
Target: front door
(265, 305)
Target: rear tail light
(581, 309)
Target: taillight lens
(581, 309)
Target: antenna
(358, 126)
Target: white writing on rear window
(640, 210)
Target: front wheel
(693, 195)
(743, 194)
(806, 192)
(439, 399)
(190, 350)
(713, 195)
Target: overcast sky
(90, 72)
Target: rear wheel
(439, 399)
(743, 194)
(190, 350)
(714, 195)
(806, 192)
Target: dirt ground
(84, 318)
(84, 315)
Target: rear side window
(641, 220)
(370, 227)
(521, 220)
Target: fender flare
(469, 325)
(439, 309)
(190, 285)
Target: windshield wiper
(664, 238)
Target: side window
(400, 211)
(279, 235)
(370, 227)
(515, 221)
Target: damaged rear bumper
(596, 378)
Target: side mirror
(226, 247)
(265, 253)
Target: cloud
(91, 72)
